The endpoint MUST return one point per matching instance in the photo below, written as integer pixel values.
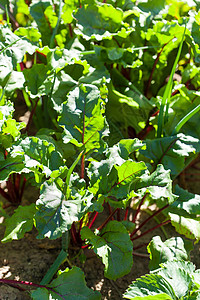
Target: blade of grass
(185, 119)
(162, 117)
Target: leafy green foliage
(100, 83)
(19, 223)
(112, 244)
(65, 287)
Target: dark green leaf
(55, 214)
(112, 245)
(69, 285)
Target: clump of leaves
(110, 132)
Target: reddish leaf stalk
(82, 166)
(126, 214)
(139, 207)
(74, 234)
(110, 210)
(70, 30)
(93, 220)
(140, 246)
(28, 284)
(151, 229)
(107, 220)
(149, 218)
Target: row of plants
(112, 89)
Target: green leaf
(179, 275)
(45, 17)
(186, 203)
(82, 118)
(38, 80)
(170, 250)
(98, 21)
(55, 214)
(19, 223)
(31, 33)
(69, 285)
(11, 165)
(158, 184)
(40, 156)
(113, 245)
(186, 226)
(149, 287)
(128, 146)
(171, 151)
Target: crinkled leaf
(69, 285)
(149, 287)
(179, 275)
(171, 151)
(19, 223)
(55, 214)
(113, 245)
(158, 184)
(98, 21)
(186, 226)
(82, 118)
(39, 155)
(172, 249)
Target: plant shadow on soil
(29, 258)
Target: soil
(29, 258)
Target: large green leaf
(149, 287)
(19, 223)
(69, 285)
(82, 118)
(172, 249)
(55, 214)
(40, 156)
(179, 275)
(171, 151)
(158, 184)
(98, 21)
(113, 245)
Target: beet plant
(112, 132)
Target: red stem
(126, 214)
(151, 229)
(118, 215)
(82, 166)
(149, 218)
(140, 246)
(74, 234)
(93, 220)
(70, 30)
(110, 210)
(139, 207)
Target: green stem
(185, 119)
(62, 257)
